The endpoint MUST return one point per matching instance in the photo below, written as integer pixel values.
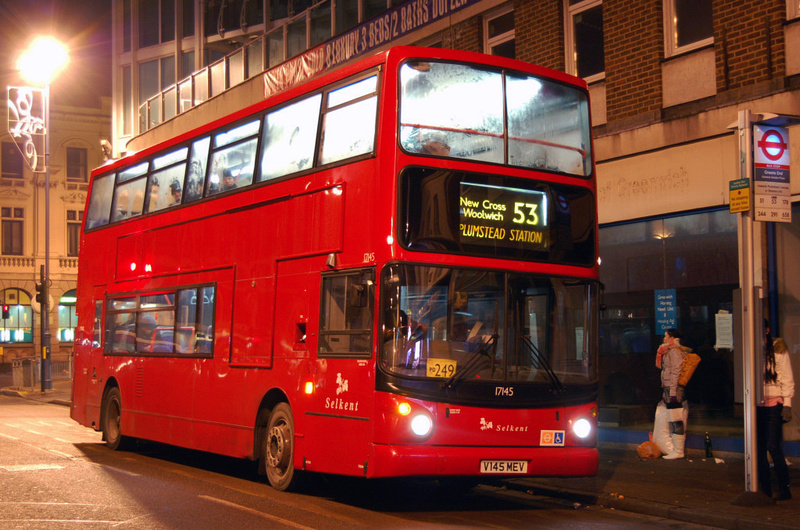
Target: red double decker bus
(389, 270)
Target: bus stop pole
(747, 281)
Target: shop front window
(677, 272)
(18, 324)
(67, 317)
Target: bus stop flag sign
(771, 185)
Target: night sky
(84, 26)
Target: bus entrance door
(339, 426)
(86, 382)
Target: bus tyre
(112, 409)
(279, 448)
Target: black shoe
(783, 495)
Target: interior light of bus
(582, 428)
(309, 388)
(404, 409)
(421, 425)
(148, 268)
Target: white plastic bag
(661, 434)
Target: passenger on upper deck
(228, 180)
(175, 193)
(155, 189)
(433, 143)
(122, 207)
(194, 181)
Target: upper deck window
(102, 190)
(349, 128)
(129, 194)
(196, 177)
(234, 158)
(457, 111)
(165, 186)
(289, 137)
(331, 125)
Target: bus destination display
(502, 216)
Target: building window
(74, 218)
(127, 101)
(187, 63)
(688, 25)
(154, 76)
(659, 273)
(792, 9)
(12, 161)
(154, 30)
(77, 168)
(188, 18)
(67, 317)
(372, 8)
(167, 20)
(12, 223)
(584, 39)
(499, 31)
(126, 25)
(18, 327)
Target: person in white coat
(771, 413)
(670, 358)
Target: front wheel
(279, 448)
(112, 411)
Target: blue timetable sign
(666, 310)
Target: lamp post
(39, 64)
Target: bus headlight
(421, 425)
(582, 428)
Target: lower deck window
(177, 322)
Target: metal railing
(26, 371)
(297, 35)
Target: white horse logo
(341, 384)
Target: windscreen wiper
(540, 362)
(472, 365)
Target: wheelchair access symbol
(551, 438)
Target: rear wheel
(112, 410)
(279, 448)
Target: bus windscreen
(468, 112)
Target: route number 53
(525, 213)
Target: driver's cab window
(346, 313)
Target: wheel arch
(268, 402)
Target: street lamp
(39, 65)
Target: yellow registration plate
(504, 467)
